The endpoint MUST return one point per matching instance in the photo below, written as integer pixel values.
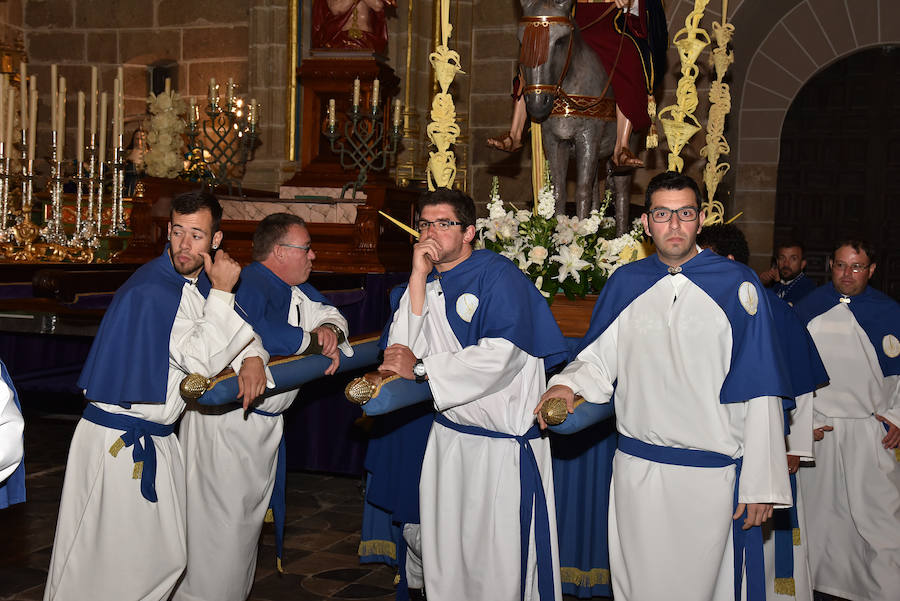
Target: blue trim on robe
(807, 372)
(507, 300)
(796, 290)
(12, 490)
(264, 300)
(756, 368)
(129, 359)
(877, 314)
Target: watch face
(419, 369)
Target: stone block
(803, 24)
(178, 12)
(759, 150)
(760, 236)
(215, 42)
(56, 46)
(199, 74)
(772, 76)
(493, 77)
(495, 43)
(782, 47)
(756, 205)
(491, 110)
(113, 14)
(47, 13)
(764, 123)
(491, 13)
(102, 47)
(14, 15)
(757, 97)
(756, 176)
(865, 22)
(889, 21)
(835, 20)
(78, 77)
(148, 46)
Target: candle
(375, 88)
(168, 85)
(53, 94)
(104, 99)
(61, 120)
(92, 99)
(32, 121)
(120, 107)
(397, 113)
(331, 116)
(23, 97)
(213, 92)
(229, 92)
(253, 114)
(10, 117)
(2, 115)
(79, 133)
(115, 121)
(355, 93)
(193, 114)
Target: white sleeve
(460, 377)
(12, 427)
(208, 344)
(764, 476)
(254, 349)
(892, 391)
(406, 327)
(595, 369)
(800, 441)
(313, 315)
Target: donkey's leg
(556, 150)
(586, 162)
(621, 190)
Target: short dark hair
(725, 239)
(791, 244)
(858, 245)
(671, 180)
(270, 231)
(463, 206)
(189, 203)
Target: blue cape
(12, 490)
(877, 314)
(129, 359)
(263, 299)
(509, 307)
(807, 373)
(756, 367)
(793, 292)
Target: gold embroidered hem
(785, 586)
(377, 547)
(584, 579)
(796, 537)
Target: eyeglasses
(664, 215)
(854, 267)
(441, 224)
(306, 248)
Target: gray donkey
(560, 69)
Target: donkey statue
(568, 91)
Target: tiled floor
(321, 538)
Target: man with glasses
(853, 492)
(478, 331)
(685, 340)
(232, 458)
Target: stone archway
(805, 40)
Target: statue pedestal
(322, 78)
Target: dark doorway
(839, 172)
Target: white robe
(469, 489)
(230, 466)
(11, 428)
(853, 493)
(111, 543)
(670, 526)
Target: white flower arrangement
(164, 159)
(560, 254)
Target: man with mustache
(790, 283)
(685, 340)
(853, 492)
(121, 528)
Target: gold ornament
(554, 411)
(193, 386)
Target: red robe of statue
(328, 30)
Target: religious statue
(350, 24)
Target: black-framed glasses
(664, 215)
(441, 224)
(306, 248)
(854, 267)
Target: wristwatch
(419, 371)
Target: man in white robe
(853, 493)
(684, 339)
(121, 529)
(480, 333)
(230, 458)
